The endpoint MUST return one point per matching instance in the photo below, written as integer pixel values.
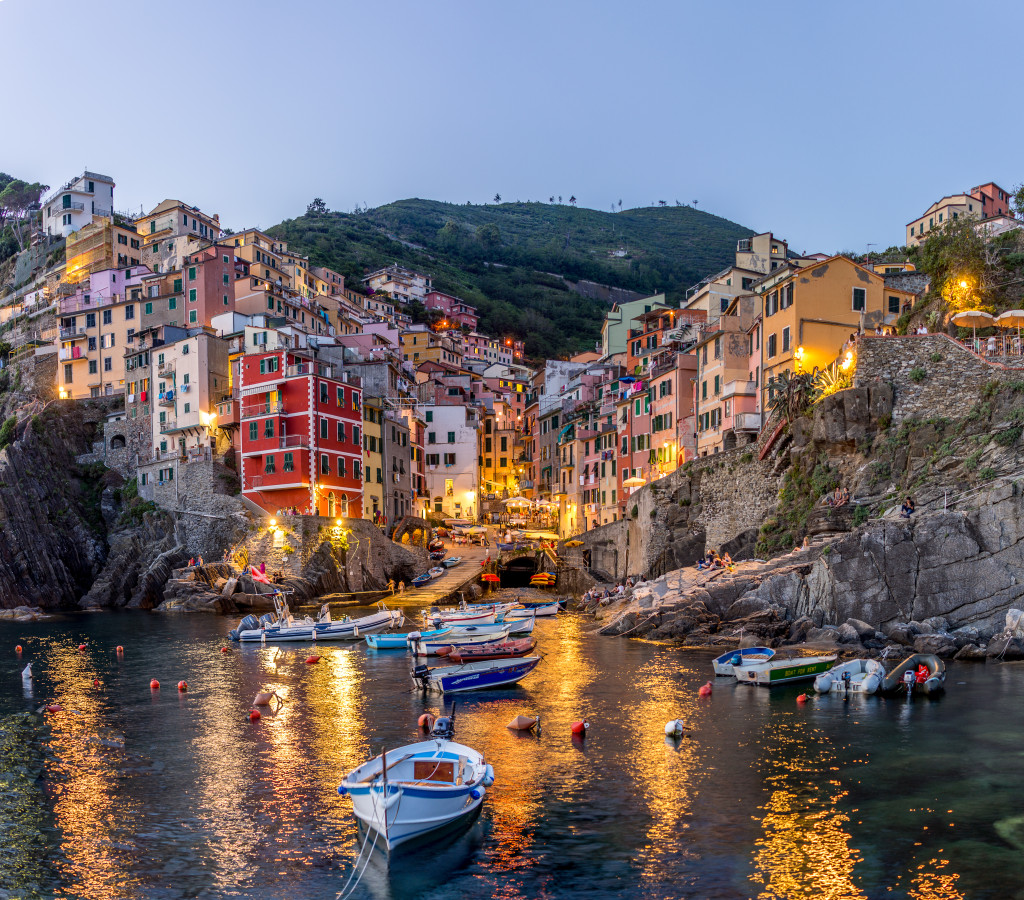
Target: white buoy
(26, 673)
(675, 728)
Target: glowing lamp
(963, 284)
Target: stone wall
(717, 501)
(952, 380)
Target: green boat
(780, 671)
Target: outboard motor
(444, 727)
(421, 673)
(266, 619)
(249, 623)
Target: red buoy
(53, 707)
(426, 721)
(18, 649)
(120, 649)
(95, 682)
(705, 690)
(154, 685)
(580, 727)
(801, 699)
(81, 646)
(254, 715)
(182, 685)
(312, 660)
(224, 650)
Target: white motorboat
(858, 676)
(725, 663)
(474, 676)
(412, 790)
(779, 671)
(433, 644)
(285, 627)
(533, 609)
(454, 617)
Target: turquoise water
(131, 793)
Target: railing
(743, 388)
(262, 409)
(69, 334)
(73, 206)
(747, 422)
(323, 371)
(293, 440)
(168, 425)
(526, 484)
(165, 398)
(165, 367)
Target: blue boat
(724, 664)
(475, 676)
(388, 641)
(421, 580)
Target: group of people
(839, 497)
(292, 511)
(713, 560)
(617, 590)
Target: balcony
(748, 422)
(73, 206)
(297, 371)
(739, 389)
(292, 440)
(165, 398)
(166, 367)
(263, 409)
(526, 484)
(168, 425)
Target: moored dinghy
(780, 671)
(724, 664)
(857, 676)
(475, 675)
(416, 789)
(929, 675)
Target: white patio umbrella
(1012, 318)
(973, 319)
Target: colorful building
(74, 205)
(300, 435)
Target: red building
(301, 435)
(455, 310)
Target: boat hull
(865, 677)
(481, 675)
(503, 650)
(934, 684)
(539, 610)
(773, 672)
(353, 630)
(435, 646)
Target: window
(451, 437)
(67, 373)
(268, 465)
(188, 407)
(193, 316)
(172, 303)
(431, 437)
(323, 391)
(268, 428)
(341, 397)
(192, 295)
(430, 415)
(129, 312)
(90, 320)
(433, 459)
(894, 304)
(704, 391)
(323, 430)
(254, 431)
(177, 286)
(93, 368)
(449, 459)
(192, 273)
(718, 384)
(859, 299)
(785, 339)
(148, 311)
(356, 470)
(355, 435)
(341, 434)
(342, 473)
(770, 346)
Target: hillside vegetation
(513, 260)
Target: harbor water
(136, 793)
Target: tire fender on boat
(478, 793)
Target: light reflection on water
(156, 794)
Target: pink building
(456, 311)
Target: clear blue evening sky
(831, 124)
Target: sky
(832, 125)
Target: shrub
(884, 421)
(936, 357)
(990, 389)
(634, 512)
(860, 515)
(7, 431)
(1009, 436)
(917, 374)
(287, 548)
(971, 463)
(987, 474)
(654, 513)
(747, 457)
(685, 501)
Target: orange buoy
(81, 646)
(523, 723)
(254, 715)
(182, 686)
(426, 721)
(580, 727)
(312, 660)
(95, 682)
(17, 649)
(154, 685)
(705, 690)
(120, 649)
(53, 707)
(802, 698)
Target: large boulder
(864, 631)
(847, 634)
(941, 645)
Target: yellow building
(809, 313)
(373, 457)
(100, 245)
(421, 344)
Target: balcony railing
(263, 409)
(293, 440)
(73, 206)
(739, 388)
(166, 367)
(748, 422)
(70, 334)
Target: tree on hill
(17, 200)
(317, 208)
(497, 198)
(572, 200)
(489, 236)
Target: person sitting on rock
(907, 509)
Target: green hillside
(512, 260)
